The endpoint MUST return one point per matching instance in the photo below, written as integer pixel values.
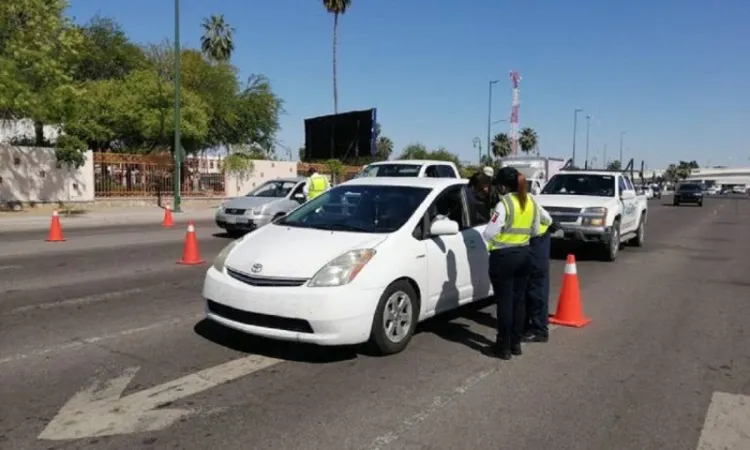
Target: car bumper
(581, 233)
(244, 223)
(687, 199)
(324, 316)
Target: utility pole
(489, 120)
(604, 163)
(622, 134)
(588, 125)
(478, 143)
(575, 126)
(177, 149)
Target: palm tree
(217, 43)
(383, 148)
(501, 145)
(336, 7)
(528, 140)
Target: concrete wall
(263, 171)
(30, 175)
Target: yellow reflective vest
(318, 185)
(519, 224)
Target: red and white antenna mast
(515, 79)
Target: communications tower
(515, 79)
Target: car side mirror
(444, 227)
(627, 195)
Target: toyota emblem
(256, 268)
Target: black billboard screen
(344, 136)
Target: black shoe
(516, 350)
(536, 337)
(497, 351)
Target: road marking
(93, 340)
(103, 411)
(76, 301)
(438, 403)
(727, 424)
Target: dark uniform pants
(509, 274)
(537, 293)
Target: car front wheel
(612, 247)
(395, 318)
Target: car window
(580, 184)
(360, 208)
(479, 213)
(629, 183)
(298, 190)
(621, 183)
(274, 189)
(689, 188)
(446, 171)
(431, 172)
(450, 204)
(390, 170)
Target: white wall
(30, 175)
(263, 171)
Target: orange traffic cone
(55, 230)
(168, 222)
(190, 253)
(569, 308)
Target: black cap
(507, 176)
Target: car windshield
(689, 188)
(359, 208)
(581, 184)
(390, 170)
(274, 189)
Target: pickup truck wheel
(612, 247)
(640, 234)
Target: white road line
(727, 424)
(76, 301)
(438, 403)
(93, 340)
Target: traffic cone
(55, 230)
(190, 253)
(168, 222)
(569, 308)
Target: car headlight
(594, 216)
(254, 211)
(221, 258)
(342, 269)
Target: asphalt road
(668, 331)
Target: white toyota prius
(366, 261)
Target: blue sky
(673, 74)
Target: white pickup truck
(596, 207)
(411, 168)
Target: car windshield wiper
(340, 227)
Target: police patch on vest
(494, 217)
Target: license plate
(242, 220)
(231, 219)
(558, 234)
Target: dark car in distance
(688, 193)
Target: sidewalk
(33, 220)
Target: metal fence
(134, 175)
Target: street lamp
(588, 125)
(622, 134)
(478, 144)
(177, 150)
(575, 126)
(489, 117)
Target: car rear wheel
(395, 318)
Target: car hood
(290, 252)
(250, 202)
(572, 201)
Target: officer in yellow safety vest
(316, 184)
(508, 234)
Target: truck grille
(558, 210)
(234, 211)
(265, 281)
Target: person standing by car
(480, 186)
(537, 291)
(507, 234)
(316, 184)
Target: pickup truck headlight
(594, 217)
(221, 258)
(342, 269)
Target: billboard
(344, 136)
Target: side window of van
(446, 171)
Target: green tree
(614, 165)
(38, 53)
(217, 41)
(106, 52)
(337, 8)
(501, 145)
(528, 140)
(335, 168)
(414, 151)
